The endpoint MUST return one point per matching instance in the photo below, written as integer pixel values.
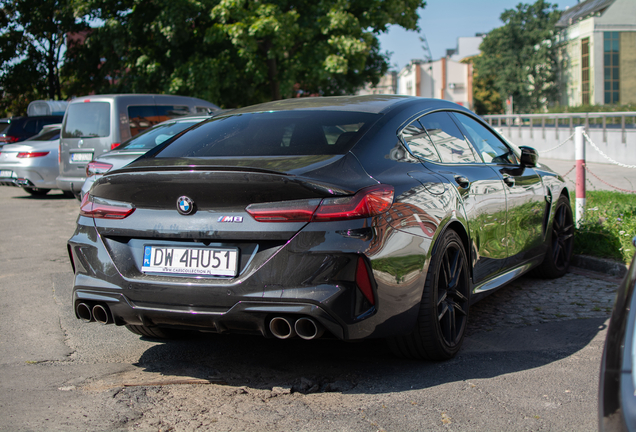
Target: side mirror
(529, 156)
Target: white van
(96, 124)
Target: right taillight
(94, 168)
(100, 208)
(367, 202)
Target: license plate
(193, 261)
(81, 157)
(6, 173)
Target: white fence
(613, 133)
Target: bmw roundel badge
(185, 205)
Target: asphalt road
(530, 361)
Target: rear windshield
(48, 135)
(272, 134)
(4, 126)
(155, 136)
(87, 120)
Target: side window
(491, 148)
(417, 140)
(141, 117)
(448, 139)
(31, 126)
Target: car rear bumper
(72, 184)
(300, 278)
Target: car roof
(365, 103)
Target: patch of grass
(608, 226)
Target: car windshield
(277, 133)
(156, 135)
(4, 126)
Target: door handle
(509, 180)
(462, 181)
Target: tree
(237, 52)
(486, 100)
(521, 56)
(32, 37)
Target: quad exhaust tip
(286, 328)
(308, 329)
(84, 312)
(101, 314)
(282, 328)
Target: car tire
(37, 191)
(68, 194)
(443, 314)
(561, 244)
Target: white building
(442, 79)
(599, 53)
(467, 46)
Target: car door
(525, 194)
(442, 148)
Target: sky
(443, 21)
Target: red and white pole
(579, 150)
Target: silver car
(33, 164)
(136, 146)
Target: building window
(585, 71)
(610, 62)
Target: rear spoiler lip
(164, 168)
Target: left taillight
(32, 154)
(94, 168)
(100, 208)
(367, 202)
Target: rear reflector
(94, 168)
(370, 201)
(364, 281)
(32, 154)
(99, 208)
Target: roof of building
(582, 10)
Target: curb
(600, 265)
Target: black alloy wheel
(443, 314)
(452, 295)
(559, 254)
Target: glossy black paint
(617, 392)
(500, 211)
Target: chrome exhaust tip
(101, 314)
(308, 329)
(282, 328)
(83, 312)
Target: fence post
(579, 146)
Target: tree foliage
(235, 52)
(520, 57)
(32, 39)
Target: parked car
(617, 389)
(135, 147)
(350, 217)
(32, 164)
(96, 124)
(16, 129)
